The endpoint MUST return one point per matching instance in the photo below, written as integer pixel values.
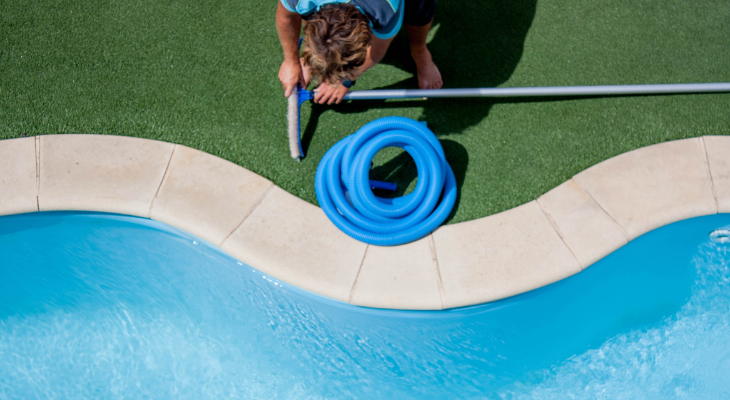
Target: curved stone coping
(553, 237)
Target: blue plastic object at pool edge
(380, 221)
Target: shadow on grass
(307, 132)
(402, 171)
(474, 44)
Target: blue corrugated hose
(376, 220)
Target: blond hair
(336, 42)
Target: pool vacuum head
(292, 119)
(296, 98)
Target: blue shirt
(386, 16)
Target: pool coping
(555, 236)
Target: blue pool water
(108, 306)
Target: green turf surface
(204, 74)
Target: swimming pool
(108, 306)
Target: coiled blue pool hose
(376, 220)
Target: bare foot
(429, 76)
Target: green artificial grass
(204, 75)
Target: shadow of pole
(307, 133)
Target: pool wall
(532, 245)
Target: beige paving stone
(587, 230)
(653, 186)
(206, 195)
(292, 240)
(501, 255)
(101, 173)
(18, 185)
(402, 277)
(718, 157)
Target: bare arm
(288, 26)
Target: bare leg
(429, 76)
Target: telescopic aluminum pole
(300, 95)
(546, 91)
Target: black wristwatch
(348, 83)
